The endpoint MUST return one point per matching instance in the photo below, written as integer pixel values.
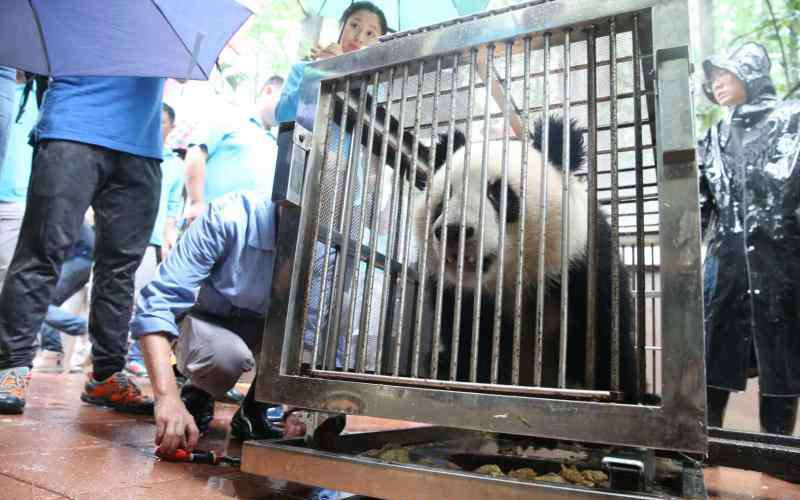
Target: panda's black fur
(578, 283)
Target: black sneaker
(251, 421)
(200, 404)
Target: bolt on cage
(352, 327)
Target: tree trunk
(703, 25)
(310, 28)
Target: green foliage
(773, 23)
(266, 49)
(269, 30)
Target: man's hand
(175, 427)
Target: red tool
(198, 457)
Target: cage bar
(329, 93)
(404, 241)
(388, 277)
(565, 222)
(593, 252)
(373, 242)
(423, 251)
(345, 228)
(615, 278)
(498, 308)
(437, 85)
(476, 313)
(641, 333)
(412, 173)
(543, 182)
(329, 238)
(455, 345)
(364, 222)
(526, 83)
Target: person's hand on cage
(332, 50)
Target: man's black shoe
(251, 422)
(233, 396)
(200, 404)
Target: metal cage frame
(679, 422)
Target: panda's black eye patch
(494, 193)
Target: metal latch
(632, 470)
(294, 144)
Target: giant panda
(578, 274)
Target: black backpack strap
(26, 92)
(42, 82)
(41, 86)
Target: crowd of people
(180, 245)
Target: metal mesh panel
(372, 314)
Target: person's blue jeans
(8, 81)
(135, 352)
(59, 320)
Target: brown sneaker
(13, 387)
(119, 392)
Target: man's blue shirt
(16, 169)
(119, 113)
(241, 157)
(170, 204)
(224, 261)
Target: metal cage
(351, 327)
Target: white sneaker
(82, 357)
(48, 362)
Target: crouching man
(207, 303)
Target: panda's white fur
(557, 175)
(491, 227)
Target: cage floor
(435, 461)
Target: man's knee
(215, 363)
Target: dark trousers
(776, 414)
(66, 178)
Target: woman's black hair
(369, 7)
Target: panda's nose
(453, 233)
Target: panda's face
(445, 228)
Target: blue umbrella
(403, 14)
(156, 38)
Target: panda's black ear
(459, 141)
(577, 151)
